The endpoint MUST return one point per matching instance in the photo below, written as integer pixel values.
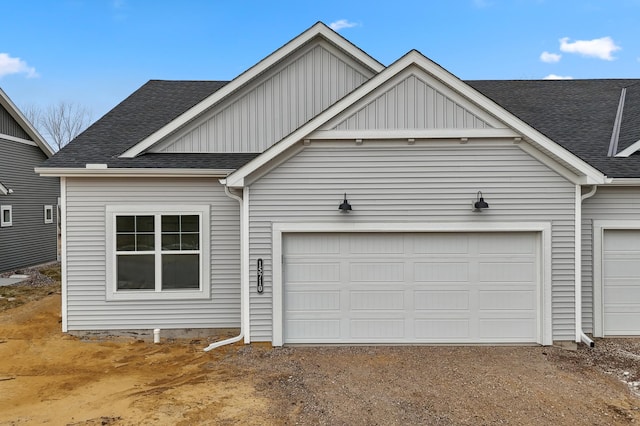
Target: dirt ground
(47, 377)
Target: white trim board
(545, 331)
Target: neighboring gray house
(28, 202)
(321, 197)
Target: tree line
(59, 123)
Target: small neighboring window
(6, 216)
(158, 253)
(48, 214)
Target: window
(48, 214)
(158, 253)
(6, 216)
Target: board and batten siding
(29, 241)
(413, 103)
(425, 182)
(292, 94)
(9, 126)
(86, 199)
(608, 203)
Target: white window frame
(204, 292)
(3, 223)
(49, 209)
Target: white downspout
(243, 249)
(580, 334)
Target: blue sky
(97, 52)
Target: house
(321, 197)
(28, 202)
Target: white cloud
(550, 57)
(9, 65)
(600, 48)
(342, 23)
(558, 77)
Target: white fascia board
(16, 139)
(3, 189)
(319, 29)
(8, 104)
(91, 172)
(414, 57)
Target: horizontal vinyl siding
(609, 203)
(86, 255)
(425, 182)
(29, 241)
(296, 92)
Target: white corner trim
(63, 254)
(599, 226)
(545, 330)
(577, 231)
(246, 266)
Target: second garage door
(411, 288)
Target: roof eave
(129, 172)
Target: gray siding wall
(9, 126)
(292, 94)
(29, 241)
(88, 309)
(609, 203)
(425, 182)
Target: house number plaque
(260, 275)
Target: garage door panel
(507, 244)
(441, 300)
(374, 328)
(376, 244)
(313, 272)
(436, 271)
(312, 330)
(506, 300)
(441, 329)
(373, 300)
(438, 289)
(621, 282)
(440, 244)
(507, 272)
(376, 272)
(310, 300)
(321, 244)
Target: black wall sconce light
(345, 207)
(480, 203)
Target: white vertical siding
(288, 97)
(86, 255)
(609, 203)
(428, 181)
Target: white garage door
(621, 283)
(411, 288)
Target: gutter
(580, 334)
(243, 252)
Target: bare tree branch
(59, 123)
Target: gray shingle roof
(146, 110)
(577, 114)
